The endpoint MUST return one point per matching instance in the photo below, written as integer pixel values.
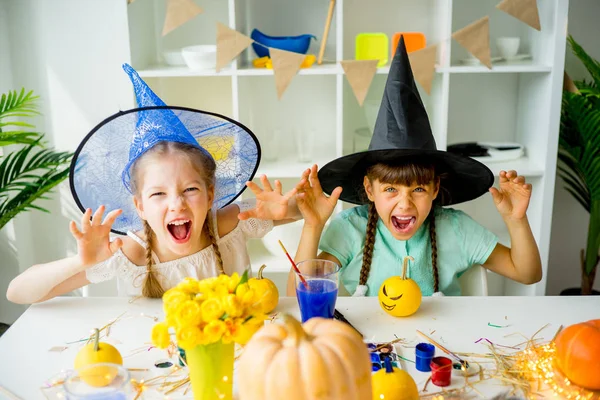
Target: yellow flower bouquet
(207, 317)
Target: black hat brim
(466, 179)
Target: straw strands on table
(530, 373)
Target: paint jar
(441, 371)
(424, 352)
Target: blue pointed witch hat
(100, 170)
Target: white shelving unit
(511, 102)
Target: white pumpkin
(322, 359)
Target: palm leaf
(590, 64)
(18, 137)
(16, 169)
(579, 198)
(26, 176)
(16, 104)
(25, 199)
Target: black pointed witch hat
(402, 133)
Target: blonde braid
(369, 244)
(211, 234)
(152, 287)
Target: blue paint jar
(424, 352)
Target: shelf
(166, 71)
(315, 69)
(522, 165)
(500, 67)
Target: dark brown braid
(369, 244)
(211, 234)
(432, 237)
(152, 287)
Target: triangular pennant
(422, 63)
(476, 39)
(178, 13)
(523, 10)
(568, 84)
(360, 74)
(285, 66)
(230, 43)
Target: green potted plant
(579, 158)
(28, 170)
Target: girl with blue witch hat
(163, 172)
(401, 184)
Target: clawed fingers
(266, 184)
(97, 218)
(111, 217)
(289, 195)
(254, 188)
(278, 187)
(512, 176)
(335, 195)
(314, 178)
(85, 220)
(74, 231)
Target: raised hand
(315, 206)
(271, 203)
(93, 241)
(512, 197)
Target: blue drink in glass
(318, 295)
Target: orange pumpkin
(578, 353)
(323, 359)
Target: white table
(457, 321)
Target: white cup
(508, 47)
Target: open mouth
(403, 224)
(180, 230)
(388, 308)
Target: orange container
(413, 40)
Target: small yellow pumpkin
(95, 353)
(400, 296)
(322, 359)
(394, 384)
(265, 290)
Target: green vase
(211, 371)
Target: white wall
(70, 53)
(9, 266)
(570, 220)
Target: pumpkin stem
(296, 332)
(96, 339)
(405, 265)
(261, 270)
(388, 365)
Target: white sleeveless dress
(202, 264)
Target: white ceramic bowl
(174, 58)
(200, 57)
(508, 47)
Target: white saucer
(474, 61)
(518, 57)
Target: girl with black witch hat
(401, 184)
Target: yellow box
(372, 46)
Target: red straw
(293, 264)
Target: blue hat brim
(96, 169)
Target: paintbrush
(445, 350)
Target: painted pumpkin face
(400, 296)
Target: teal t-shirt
(461, 243)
